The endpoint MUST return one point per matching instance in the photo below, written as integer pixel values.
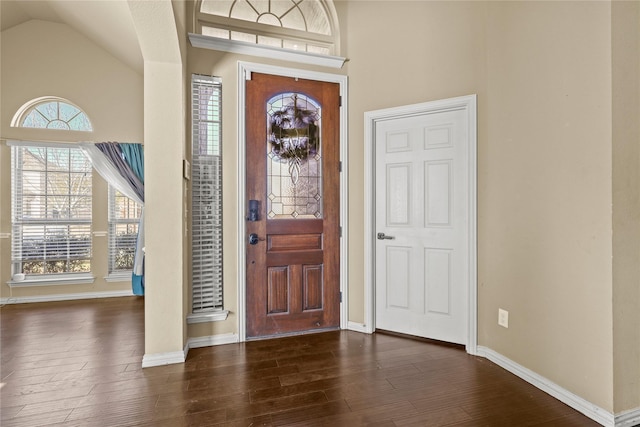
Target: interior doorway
(421, 234)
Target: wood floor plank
(372, 416)
(275, 405)
(356, 389)
(37, 420)
(78, 363)
(307, 415)
(438, 418)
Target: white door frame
(244, 72)
(467, 103)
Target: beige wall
(544, 163)
(427, 51)
(43, 58)
(553, 155)
(625, 24)
(163, 49)
(545, 193)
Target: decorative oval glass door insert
(294, 162)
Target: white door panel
(421, 272)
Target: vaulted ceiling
(107, 23)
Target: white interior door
(422, 228)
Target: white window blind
(124, 215)
(50, 210)
(206, 181)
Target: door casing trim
(244, 72)
(469, 104)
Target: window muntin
(124, 216)
(303, 15)
(294, 161)
(305, 25)
(52, 113)
(51, 211)
(206, 205)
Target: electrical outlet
(503, 318)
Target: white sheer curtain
(113, 176)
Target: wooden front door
(292, 196)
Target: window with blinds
(206, 181)
(124, 215)
(51, 211)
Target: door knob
(254, 239)
(382, 236)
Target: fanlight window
(52, 113)
(305, 25)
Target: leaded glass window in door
(294, 157)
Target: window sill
(216, 316)
(52, 281)
(121, 276)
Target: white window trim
(31, 143)
(262, 51)
(54, 280)
(51, 279)
(204, 267)
(119, 276)
(214, 316)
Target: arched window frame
(23, 112)
(329, 42)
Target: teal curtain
(133, 155)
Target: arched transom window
(52, 113)
(303, 25)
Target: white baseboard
(628, 418)
(358, 327)
(592, 411)
(65, 297)
(161, 359)
(211, 340)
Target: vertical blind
(206, 207)
(50, 210)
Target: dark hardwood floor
(79, 364)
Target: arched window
(52, 113)
(51, 198)
(303, 25)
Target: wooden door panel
(294, 242)
(312, 287)
(299, 226)
(293, 272)
(278, 290)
